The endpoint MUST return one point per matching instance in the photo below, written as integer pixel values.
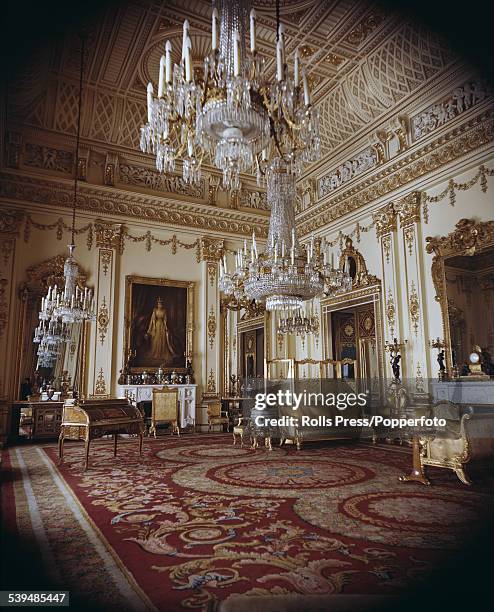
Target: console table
(475, 393)
(186, 399)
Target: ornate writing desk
(186, 399)
(90, 419)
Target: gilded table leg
(86, 465)
(60, 447)
(417, 474)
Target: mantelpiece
(186, 399)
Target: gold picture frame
(159, 324)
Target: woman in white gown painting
(161, 345)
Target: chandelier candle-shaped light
(236, 114)
(283, 277)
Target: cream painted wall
(412, 263)
(160, 262)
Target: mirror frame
(39, 277)
(468, 238)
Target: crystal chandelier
(284, 276)
(237, 115)
(298, 324)
(62, 308)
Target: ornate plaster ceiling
(364, 64)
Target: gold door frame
(469, 237)
(370, 294)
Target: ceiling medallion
(237, 116)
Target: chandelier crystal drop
(285, 275)
(237, 114)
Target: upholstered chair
(164, 409)
(465, 438)
(216, 415)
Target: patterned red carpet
(199, 519)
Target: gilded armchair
(164, 409)
(465, 438)
(241, 429)
(216, 415)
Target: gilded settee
(466, 438)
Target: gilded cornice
(10, 221)
(453, 145)
(117, 203)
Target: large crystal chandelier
(284, 276)
(62, 307)
(236, 114)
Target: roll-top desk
(91, 418)
(186, 399)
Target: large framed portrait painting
(158, 323)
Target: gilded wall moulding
(468, 237)
(10, 221)
(408, 208)
(6, 248)
(385, 220)
(109, 235)
(472, 135)
(100, 387)
(391, 312)
(414, 308)
(211, 382)
(118, 203)
(409, 237)
(103, 321)
(362, 277)
(386, 244)
(211, 328)
(106, 256)
(211, 249)
(212, 272)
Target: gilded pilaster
(385, 222)
(409, 214)
(211, 250)
(102, 374)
